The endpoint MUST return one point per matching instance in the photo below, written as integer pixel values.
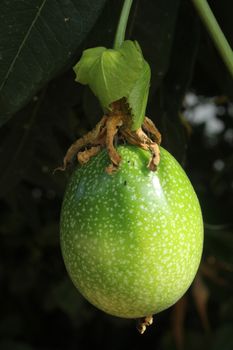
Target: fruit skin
(131, 241)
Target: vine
(215, 32)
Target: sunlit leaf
(114, 74)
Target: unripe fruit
(131, 241)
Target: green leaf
(139, 96)
(89, 59)
(114, 74)
(153, 26)
(38, 39)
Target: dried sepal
(143, 323)
(155, 158)
(117, 124)
(89, 138)
(112, 125)
(84, 156)
(150, 127)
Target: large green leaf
(37, 39)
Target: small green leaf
(139, 96)
(114, 74)
(89, 58)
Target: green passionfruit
(131, 241)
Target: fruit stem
(122, 24)
(215, 32)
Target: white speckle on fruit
(131, 241)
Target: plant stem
(122, 24)
(216, 33)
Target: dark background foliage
(42, 110)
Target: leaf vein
(22, 45)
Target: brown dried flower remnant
(115, 125)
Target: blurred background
(42, 111)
